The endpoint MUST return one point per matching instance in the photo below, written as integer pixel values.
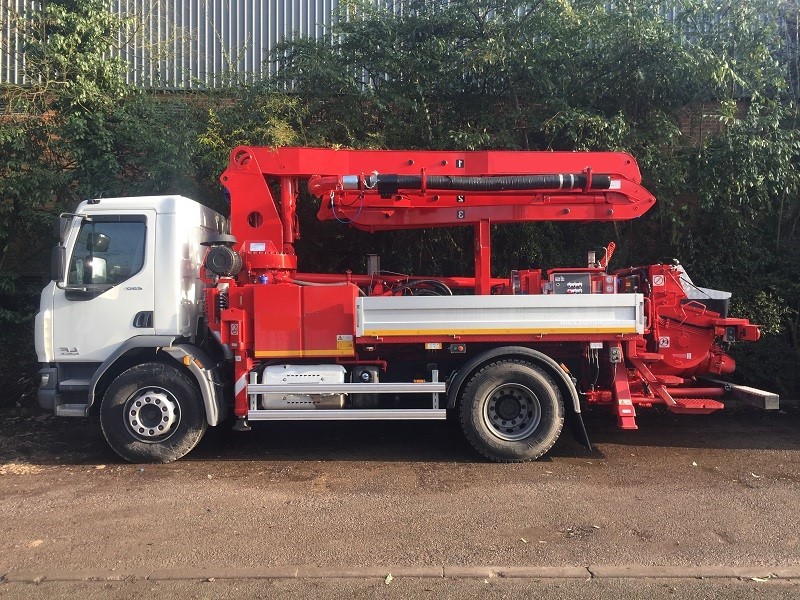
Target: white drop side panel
(493, 315)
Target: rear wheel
(152, 413)
(512, 411)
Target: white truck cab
(126, 291)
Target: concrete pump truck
(165, 317)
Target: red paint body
(273, 312)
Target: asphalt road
(721, 489)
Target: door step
(71, 410)
(74, 385)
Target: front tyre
(511, 411)
(152, 413)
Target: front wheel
(512, 411)
(152, 413)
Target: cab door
(109, 289)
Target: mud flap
(578, 429)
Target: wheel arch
(565, 385)
(141, 349)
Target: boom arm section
(386, 189)
(405, 189)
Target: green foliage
(701, 92)
(78, 131)
(67, 46)
(697, 91)
(249, 115)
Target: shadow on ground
(37, 438)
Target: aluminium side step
(347, 388)
(352, 414)
(344, 414)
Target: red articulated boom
(378, 190)
(515, 355)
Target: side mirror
(58, 262)
(60, 226)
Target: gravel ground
(721, 489)
(412, 589)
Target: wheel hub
(508, 407)
(512, 411)
(152, 413)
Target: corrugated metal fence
(183, 44)
(12, 58)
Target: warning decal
(344, 342)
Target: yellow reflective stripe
(302, 353)
(544, 330)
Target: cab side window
(107, 252)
